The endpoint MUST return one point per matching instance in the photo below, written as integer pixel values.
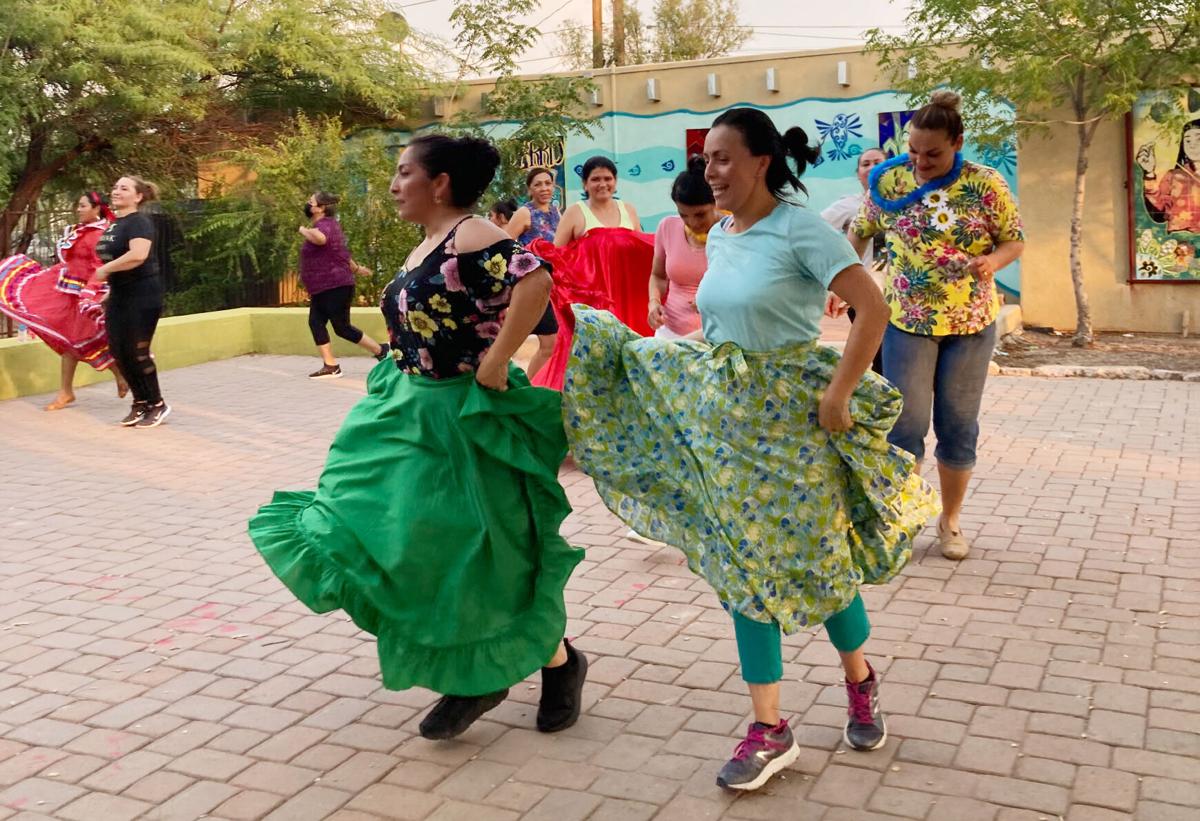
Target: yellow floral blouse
(928, 286)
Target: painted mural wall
(650, 150)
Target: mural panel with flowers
(1164, 190)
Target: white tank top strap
(590, 220)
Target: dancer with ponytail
(768, 466)
(135, 299)
(950, 226)
(62, 304)
(435, 522)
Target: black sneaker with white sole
(136, 412)
(154, 415)
(327, 372)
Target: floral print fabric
(716, 450)
(444, 315)
(928, 285)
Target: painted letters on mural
(552, 156)
(1164, 173)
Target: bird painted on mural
(839, 131)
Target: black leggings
(332, 306)
(131, 315)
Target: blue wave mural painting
(650, 150)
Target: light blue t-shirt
(765, 287)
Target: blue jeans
(945, 375)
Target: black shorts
(547, 325)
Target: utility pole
(618, 9)
(597, 34)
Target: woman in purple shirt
(327, 273)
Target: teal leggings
(760, 646)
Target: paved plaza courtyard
(152, 667)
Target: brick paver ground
(151, 667)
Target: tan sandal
(59, 404)
(953, 543)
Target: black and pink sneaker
(766, 751)
(866, 728)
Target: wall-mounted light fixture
(843, 73)
(439, 106)
(652, 91)
(912, 68)
(596, 96)
(714, 85)
(772, 80)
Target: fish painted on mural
(839, 131)
(636, 171)
(668, 166)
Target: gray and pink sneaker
(866, 728)
(766, 751)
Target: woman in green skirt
(759, 453)
(435, 522)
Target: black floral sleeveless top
(443, 315)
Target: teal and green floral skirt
(717, 451)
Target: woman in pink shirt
(679, 261)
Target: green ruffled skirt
(435, 528)
(717, 451)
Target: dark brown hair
(763, 139)
(470, 162)
(327, 201)
(941, 114)
(533, 175)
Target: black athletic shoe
(327, 372)
(454, 714)
(562, 692)
(154, 415)
(136, 412)
(384, 351)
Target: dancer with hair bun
(767, 463)
(135, 297)
(679, 260)
(950, 225)
(63, 304)
(435, 522)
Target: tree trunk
(618, 12)
(33, 179)
(1083, 309)
(597, 34)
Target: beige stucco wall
(1047, 178)
(1045, 188)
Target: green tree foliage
(681, 30)
(546, 110)
(88, 87)
(252, 228)
(1072, 62)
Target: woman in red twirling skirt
(61, 304)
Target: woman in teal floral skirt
(760, 454)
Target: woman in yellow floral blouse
(950, 225)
